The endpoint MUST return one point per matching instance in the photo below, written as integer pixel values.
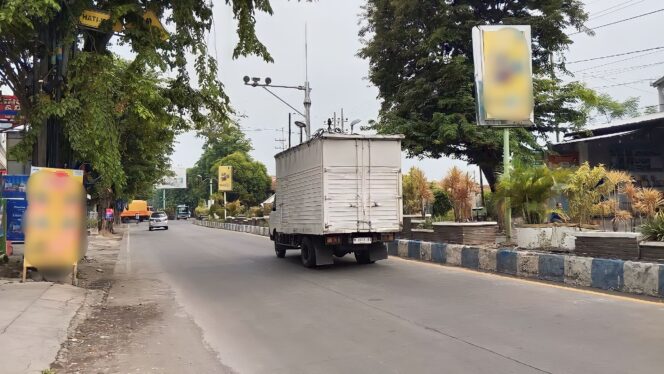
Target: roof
(636, 123)
(591, 138)
(339, 136)
(658, 82)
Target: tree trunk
(490, 174)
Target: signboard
(77, 174)
(55, 218)
(3, 229)
(9, 108)
(178, 180)
(14, 186)
(225, 178)
(15, 212)
(109, 214)
(503, 75)
(93, 19)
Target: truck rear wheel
(280, 250)
(363, 257)
(308, 253)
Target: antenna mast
(307, 87)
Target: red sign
(9, 108)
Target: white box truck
(338, 194)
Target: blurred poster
(176, 181)
(225, 178)
(55, 217)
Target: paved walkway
(34, 318)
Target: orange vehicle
(136, 207)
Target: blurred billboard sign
(503, 75)
(225, 178)
(175, 181)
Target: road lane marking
(634, 298)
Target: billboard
(177, 180)
(9, 108)
(225, 178)
(503, 75)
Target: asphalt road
(261, 314)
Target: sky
(339, 78)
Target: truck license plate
(361, 240)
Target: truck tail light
(332, 240)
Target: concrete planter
(652, 251)
(474, 233)
(620, 245)
(546, 237)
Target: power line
(612, 9)
(615, 62)
(614, 55)
(616, 22)
(623, 84)
(624, 69)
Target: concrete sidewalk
(34, 319)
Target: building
(635, 145)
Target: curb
(638, 278)
(255, 230)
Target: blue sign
(15, 211)
(13, 186)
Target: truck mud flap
(378, 252)
(323, 255)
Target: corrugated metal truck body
(336, 188)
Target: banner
(178, 180)
(13, 186)
(55, 218)
(503, 75)
(225, 178)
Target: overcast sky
(338, 77)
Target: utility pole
(289, 130)
(281, 140)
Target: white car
(158, 220)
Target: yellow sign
(225, 178)
(503, 70)
(94, 18)
(54, 219)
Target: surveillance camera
(246, 79)
(268, 80)
(256, 79)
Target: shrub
(653, 229)
(441, 203)
(217, 210)
(234, 208)
(255, 211)
(201, 211)
(267, 209)
(460, 189)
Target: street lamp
(301, 125)
(352, 124)
(203, 180)
(255, 82)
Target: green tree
(83, 81)
(441, 203)
(420, 55)
(251, 182)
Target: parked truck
(338, 194)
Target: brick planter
(475, 233)
(652, 251)
(621, 245)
